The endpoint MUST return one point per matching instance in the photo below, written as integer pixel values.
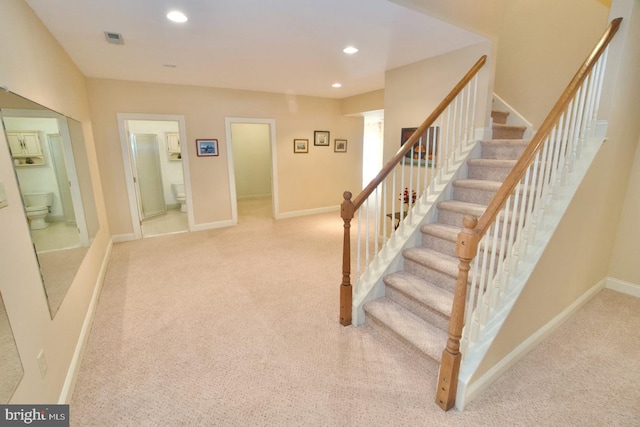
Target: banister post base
(448, 380)
(346, 296)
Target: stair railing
(405, 181)
(512, 217)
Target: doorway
(252, 166)
(156, 168)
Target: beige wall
(36, 67)
(370, 101)
(251, 159)
(541, 44)
(580, 253)
(412, 92)
(305, 181)
(626, 251)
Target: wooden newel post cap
(347, 195)
(469, 222)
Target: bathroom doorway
(252, 166)
(156, 169)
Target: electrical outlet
(42, 364)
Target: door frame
(274, 164)
(128, 163)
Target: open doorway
(252, 162)
(157, 173)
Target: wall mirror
(10, 365)
(50, 163)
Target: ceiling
(282, 46)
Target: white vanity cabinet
(25, 148)
(173, 145)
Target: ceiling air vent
(114, 38)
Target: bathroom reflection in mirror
(10, 365)
(50, 164)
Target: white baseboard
(628, 288)
(467, 393)
(117, 238)
(76, 360)
(293, 214)
(212, 225)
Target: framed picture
(340, 146)
(424, 150)
(300, 145)
(321, 137)
(207, 147)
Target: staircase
(418, 300)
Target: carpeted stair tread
(478, 184)
(462, 207)
(443, 231)
(432, 259)
(433, 296)
(509, 127)
(409, 327)
(495, 163)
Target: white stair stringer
(554, 211)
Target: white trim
(128, 171)
(294, 214)
(74, 367)
(618, 285)
(228, 121)
(466, 394)
(117, 238)
(212, 225)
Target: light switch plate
(3, 197)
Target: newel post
(450, 364)
(346, 212)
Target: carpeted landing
(239, 327)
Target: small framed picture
(321, 137)
(207, 147)
(300, 145)
(340, 145)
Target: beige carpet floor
(239, 327)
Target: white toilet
(37, 206)
(181, 196)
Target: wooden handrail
(349, 207)
(529, 154)
(474, 229)
(397, 158)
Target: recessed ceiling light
(350, 50)
(336, 85)
(177, 16)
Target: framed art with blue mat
(424, 150)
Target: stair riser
(503, 152)
(424, 312)
(472, 195)
(507, 133)
(439, 244)
(435, 277)
(382, 329)
(489, 173)
(499, 117)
